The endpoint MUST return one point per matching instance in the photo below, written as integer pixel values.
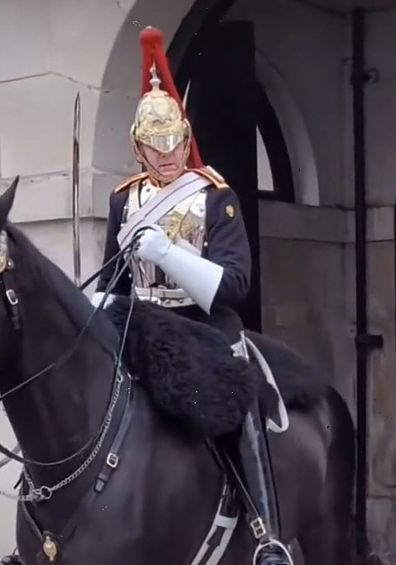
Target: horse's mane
(40, 276)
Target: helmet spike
(155, 81)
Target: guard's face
(167, 164)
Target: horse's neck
(58, 413)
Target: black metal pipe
(394, 263)
(364, 341)
(359, 80)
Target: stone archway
(199, 23)
(295, 134)
(119, 75)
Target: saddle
(191, 374)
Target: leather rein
(11, 301)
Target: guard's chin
(167, 176)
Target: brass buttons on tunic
(230, 211)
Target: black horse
(109, 478)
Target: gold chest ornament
(185, 223)
(185, 220)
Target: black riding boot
(257, 468)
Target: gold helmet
(160, 121)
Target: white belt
(168, 297)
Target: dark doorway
(222, 108)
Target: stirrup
(274, 544)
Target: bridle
(10, 298)
(6, 267)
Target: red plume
(152, 43)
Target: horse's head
(23, 288)
(36, 297)
(8, 299)
(56, 361)
(6, 202)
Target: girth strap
(219, 535)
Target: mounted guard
(108, 477)
(193, 254)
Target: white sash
(187, 185)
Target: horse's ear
(6, 201)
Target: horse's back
(299, 385)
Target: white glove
(97, 298)
(153, 245)
(198, 277)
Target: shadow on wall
(112, 149)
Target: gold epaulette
(129, 183)
(215, 178)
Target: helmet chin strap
(153, 172)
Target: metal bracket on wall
(370, 341)
(366, 76)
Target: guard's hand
(153, 245)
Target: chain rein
(44, 492)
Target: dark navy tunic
(225, 244)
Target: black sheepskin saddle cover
(188, 369)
